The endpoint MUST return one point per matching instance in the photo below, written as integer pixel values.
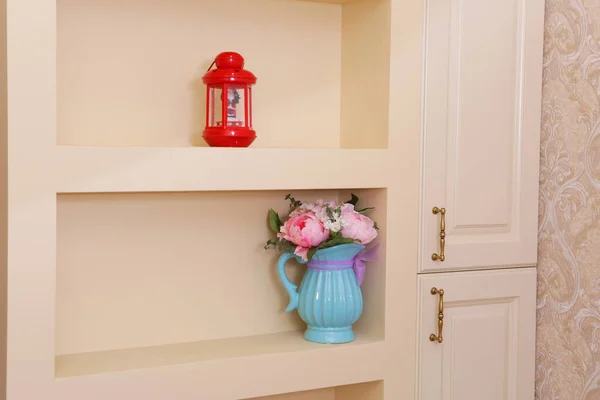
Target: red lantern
(229, 102)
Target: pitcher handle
(287, 284)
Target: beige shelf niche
(329, 1)
(153, 280)
(361, 391)
(129, 71)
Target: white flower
(334, 225)
(329, 213)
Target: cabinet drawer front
(488, 348)
(481, 131)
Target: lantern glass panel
(249, 106)
(215, 106)
(236, 106)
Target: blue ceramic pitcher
(329, 299)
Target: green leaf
(293, 202)
(279, 244)
(274, 221)
(365, 210)
(335, 241)
(329, 212)
(353, 200)
(311, 253)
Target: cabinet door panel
(488, 351)
(481, 132)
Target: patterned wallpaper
(568, 348)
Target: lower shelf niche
(362, 391)
(149, 280)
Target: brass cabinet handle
(433, 337)
(441, 257)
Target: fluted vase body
(329, 298)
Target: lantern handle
(211, 65)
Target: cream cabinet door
(482, 101)
(488, 347)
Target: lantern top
(230, 60)
(230, 69)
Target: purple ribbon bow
(357, 263)
(360, 259)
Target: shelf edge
(173, 169)
(237, 378)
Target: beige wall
(568, 348)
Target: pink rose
(302, 252)
(357, 226)
(347, 208)
(304, 230)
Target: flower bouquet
(330, 238)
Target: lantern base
(229, 137)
